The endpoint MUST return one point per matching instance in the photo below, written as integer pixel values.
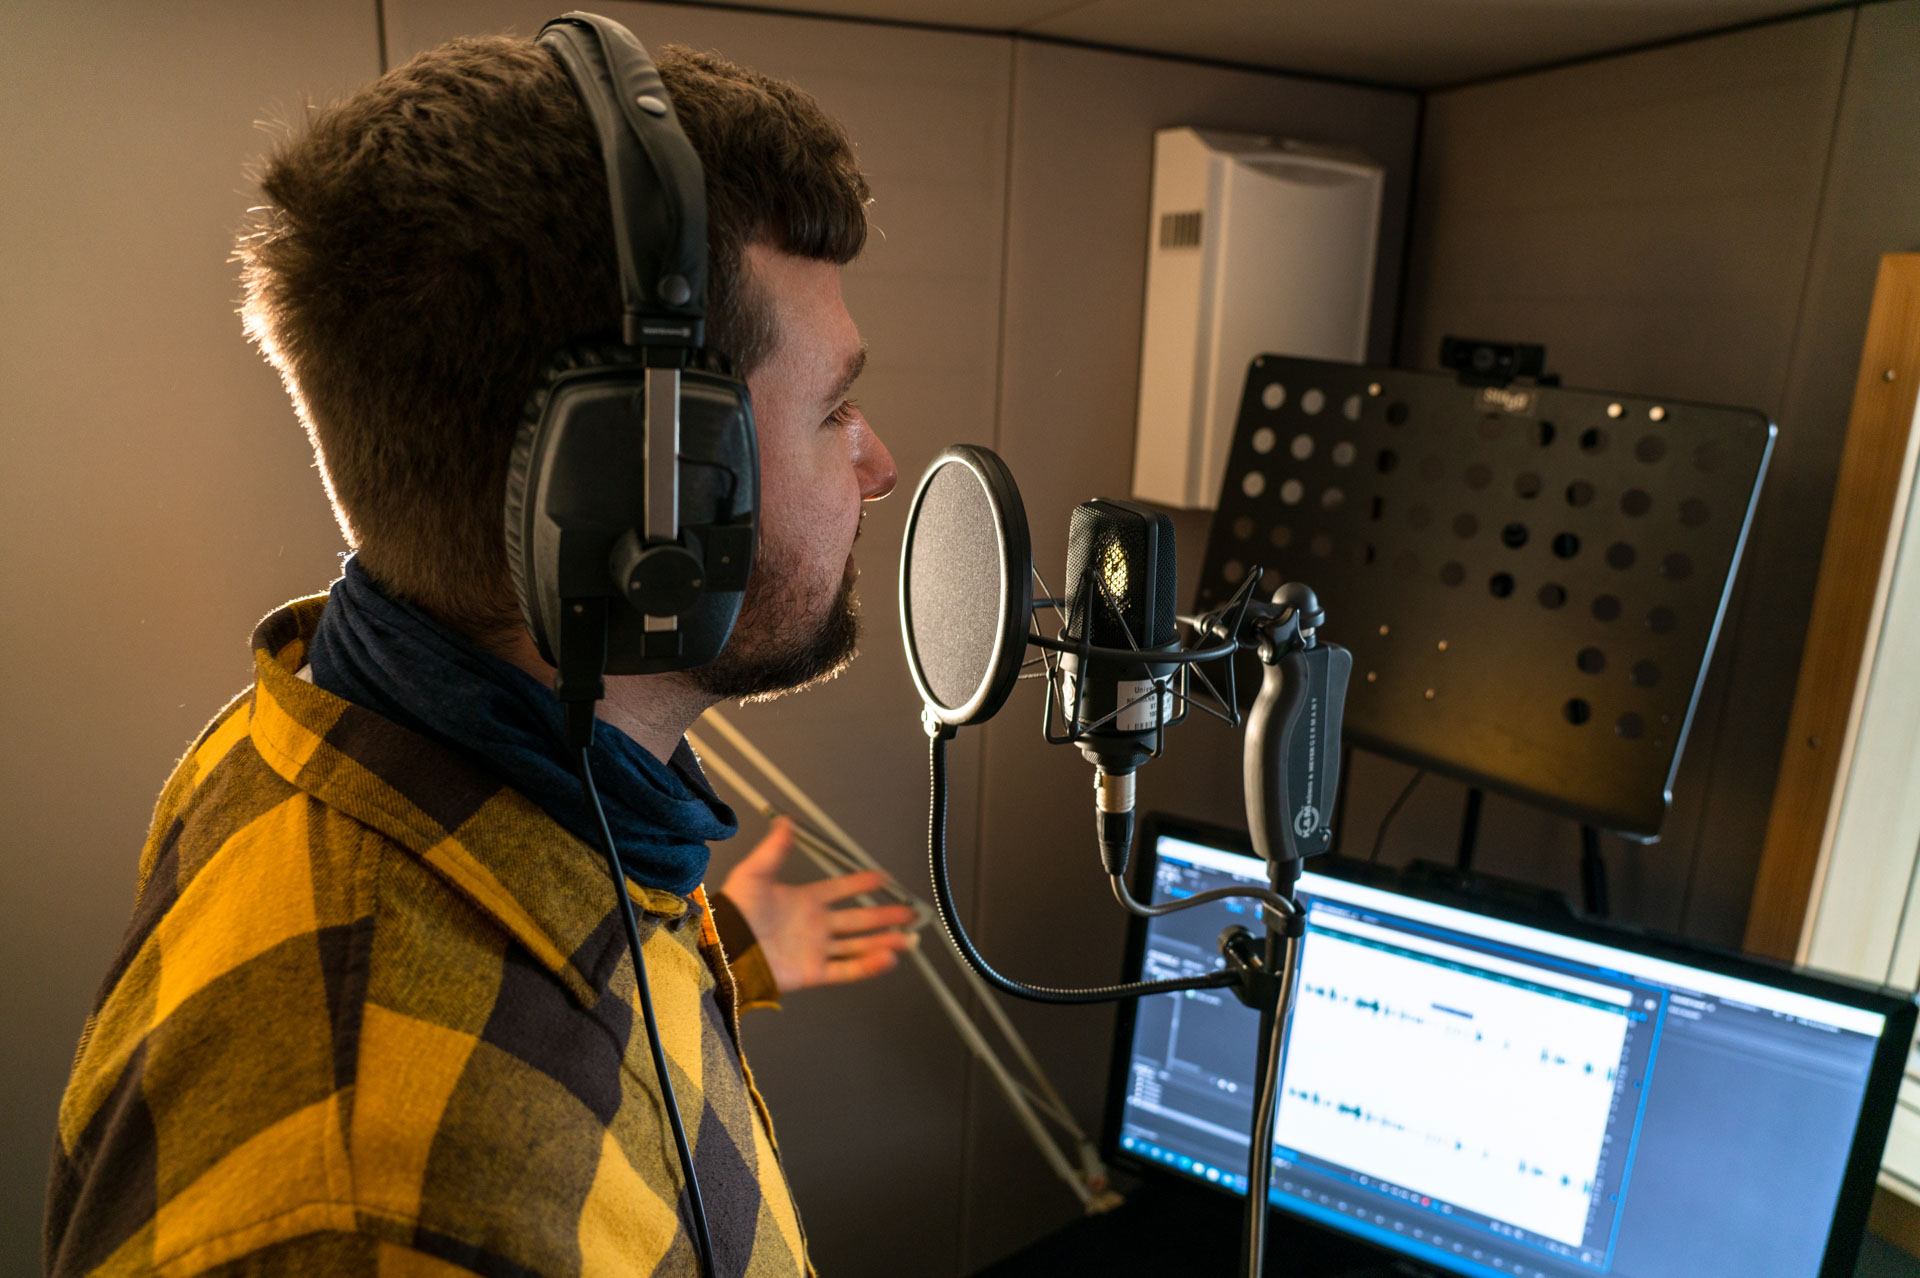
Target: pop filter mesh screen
(956, 563)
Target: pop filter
(966, 593)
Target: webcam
(1480, 363)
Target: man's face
(819, 459)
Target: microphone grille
(1128, 551)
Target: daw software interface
(1497, 1099)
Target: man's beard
(773, 652)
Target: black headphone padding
(520, 561)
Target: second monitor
(1499, 1097)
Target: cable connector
(1113, 813)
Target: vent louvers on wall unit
(1180, 230)
(1255, 246)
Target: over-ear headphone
(633, 490)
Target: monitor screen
(1495, 1098)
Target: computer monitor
(1493, 1093)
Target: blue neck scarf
(389, 657)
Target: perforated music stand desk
(1530, 578)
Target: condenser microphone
(966, 607)
(965, 612)
(1121, 586)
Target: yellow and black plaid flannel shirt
(375, 1013)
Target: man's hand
(805, 940)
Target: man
(375, 1011)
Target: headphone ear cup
(521, 559)
(536, 584)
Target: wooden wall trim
(1846, 607)
(1896, 1219)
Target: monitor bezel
(1857, 1183)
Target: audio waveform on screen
(1457, 1024)
(1488, 1089)
(1464, 1145)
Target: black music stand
(1530, 578)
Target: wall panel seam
(1397, 352)
(1821, 206)
(1652, 46)
(1757, 598)
(971, 1088)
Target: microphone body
(1121, 595)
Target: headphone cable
(696, 1208)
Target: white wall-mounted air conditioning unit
(1254, 246)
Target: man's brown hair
(428, 241)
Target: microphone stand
(1283, 946)
(1298, 691)
(1280, 631)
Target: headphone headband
(632, 493)
(657, 187)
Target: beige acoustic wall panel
(1081, 172)
(1651, 218)
(158, 495)
(866, 1083)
